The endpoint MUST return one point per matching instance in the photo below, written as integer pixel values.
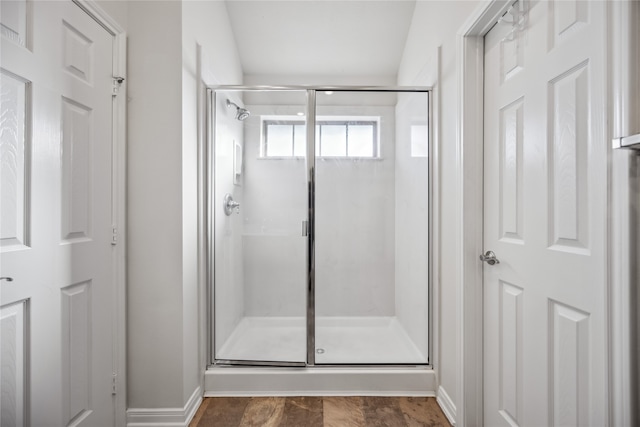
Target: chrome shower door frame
(310, 159)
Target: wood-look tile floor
(319, 412)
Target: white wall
(209, 56)
(434, 25)
(154, 205)
(165, 128)
(115, 9)
(311, 80)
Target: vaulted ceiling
(320, 37)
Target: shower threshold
(319, 381)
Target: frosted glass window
(279, 137)
(334, 138)
(361, 141)
(419, 141)
(333, 141)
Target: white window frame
(265, 121)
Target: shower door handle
(305, 228)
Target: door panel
(57, 215)
(545, 217)
(13, 324)
(260, 245)
(372, 228)
(15, 157)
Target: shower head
(241, 113)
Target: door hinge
(117, 82)
(114, 236)
(114, 381)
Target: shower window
(347, 138)
(284, 138)
(335, 137)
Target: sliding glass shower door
(259, 205)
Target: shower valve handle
(229, 205)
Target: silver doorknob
(490, 258)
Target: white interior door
(545, 177)
(56, 206)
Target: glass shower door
(371, 228)
(260, 208)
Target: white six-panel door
(545, 210)
(56, 215)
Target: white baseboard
(447, 406)
(165, 417)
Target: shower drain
(320, 350)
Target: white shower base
(339, 340)
(353, 341)
(356, 340)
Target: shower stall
(319, 226)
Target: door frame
(118, 196)
(469, 207)
(469, 211)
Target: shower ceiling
(320, 38)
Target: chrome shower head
(241, 113)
